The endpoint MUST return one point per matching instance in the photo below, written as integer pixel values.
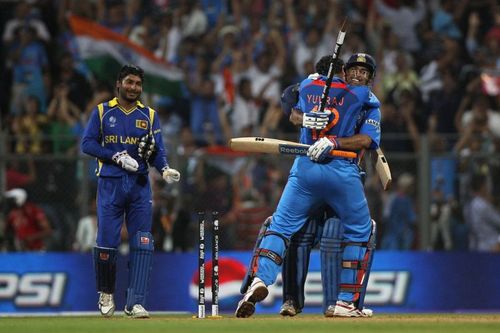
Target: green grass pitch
(406, 323)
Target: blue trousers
(336, 183)
(127, 198)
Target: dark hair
(243, 82)
(130, 69)
(323, 65)
(477, 182)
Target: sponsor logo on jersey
(373, 122)
(143, 124)
(112, 121)
(144, 240)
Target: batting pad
(268, 267)
(140, 266)
(296, 263)
(354, 266)
(105, 268)
(331, 258)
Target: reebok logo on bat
(287, 149)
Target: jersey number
(328, 127)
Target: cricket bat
(275, 146)
(383, 170)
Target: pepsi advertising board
(399, 282)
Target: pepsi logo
(231, 274)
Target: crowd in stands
(438, 75)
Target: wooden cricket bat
(383, 170)
(275, 146)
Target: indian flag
(105, 51)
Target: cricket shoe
(137, 311)
(255, 293)
(347, 309)
(106, 304)
(289, 309)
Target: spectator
(310, 44)
(481, 108)
(86, 231)
(445, 19)
(20, 174)
(403, 77)
(193, 20)
(482, 217)
(29, 62)
(245, 115)
(404, 21)
(170, 38)
(115, 16)
(79, 90)
(29, 128)
(400, 218)
(24, 18)
(266, 88)
(444, 105)
(204, 111)
(65, 124)
(440, 217)
(27, 222)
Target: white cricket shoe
(331, 310)
(255, 293)
(106, 304)
(137, 311)
(347, 309)
(289, 309)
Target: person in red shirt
(28, 222)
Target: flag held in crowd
(105, 51)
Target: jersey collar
(114, 102)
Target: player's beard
(123, 94)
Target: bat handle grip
(343, 153)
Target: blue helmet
(362, 59)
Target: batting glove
(124, 160)
(170, 175)
(315, 120)
(321, 149)
(146, 146)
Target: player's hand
(315, 120)
(146, 146)
(321, 149)
(124, 160)
(170, 175)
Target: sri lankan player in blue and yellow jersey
(124, 136)
(320, 178)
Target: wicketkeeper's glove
(315, 120)
(146, 146)
(321, 149)
(124, 160)
(170, 175)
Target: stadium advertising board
(399, 282)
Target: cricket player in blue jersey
(322, 227)
(124, 136)
(322, 178)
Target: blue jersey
(354, 110)
(113, 129)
